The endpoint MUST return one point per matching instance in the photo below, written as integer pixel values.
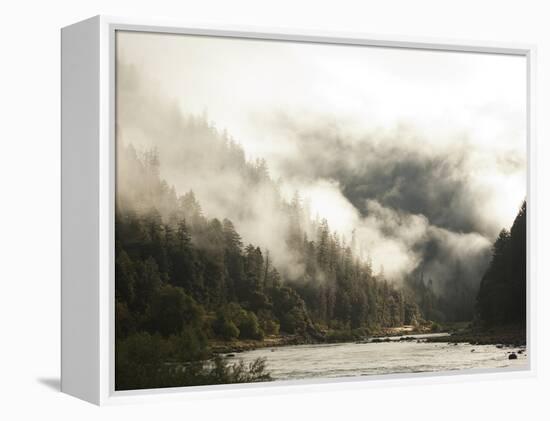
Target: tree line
(184, 280)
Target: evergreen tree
(502, 293)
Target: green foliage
(225, 328)
(191, 344)
(234, 321)
(249, 327)
(148, 281)
(344, 335)
(268, 323)
(240, 372)
(151, 361)
(290, 310)
(126, 278)
(138, 359)
(124, 320)
(171, 309)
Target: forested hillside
(502, 292)
(184, 280)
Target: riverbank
(503, 335)
(242, 345)
(331, 336)
(404, 331)
(513, 336)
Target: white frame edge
(99, 388)
(80, 336)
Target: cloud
(455, 183)
(379, 142)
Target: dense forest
(183, 280)
(502, 293)
(186, 280)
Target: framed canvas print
(247, 209)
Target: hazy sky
(439, 137)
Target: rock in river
(512, 356)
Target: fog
(422, 155)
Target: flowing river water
(358, 359)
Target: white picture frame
(88, 168)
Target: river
(359, 359)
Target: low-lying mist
(410, 210)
